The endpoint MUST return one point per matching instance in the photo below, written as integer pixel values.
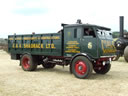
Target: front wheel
(81, 67)
(102, 69)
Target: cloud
(29, 7)
(30, 11)
(45, 16)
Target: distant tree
(3, 41)
(4, 44)
(116, 34)
(125, 31)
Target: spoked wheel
(28, 63)
(48, 65)
(81, 67)
(102, 69)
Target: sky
(46, 16)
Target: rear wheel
(48, 65)
(102, 69)
(81, 67)
(28, 63)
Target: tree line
(116, 34)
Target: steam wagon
(121, 43)
(71, 46)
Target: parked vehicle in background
(122, 42)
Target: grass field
(59, 82)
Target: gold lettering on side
(72, 42)
(18, 38)
(38, 38)
(27, 38)
(10, 38)
(42, 46)
(24, 46)
(19, 45)
(32, 45)
(37, 45)
(53, 46)
(33, 38)
(49, 37)
(72, 51)
(16, 45)
(48, 45)
(29, 46)
(13, 45)
(108, 47)
(55, 37)
(72, 47)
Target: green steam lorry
(70, 46)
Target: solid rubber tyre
(126, 54)
(81, 67)
(28, 63)
(103, 69)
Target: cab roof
(84, 25)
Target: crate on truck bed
(84, 47)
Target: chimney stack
(122, 26)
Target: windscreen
(103, 33)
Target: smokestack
(121, 26)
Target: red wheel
(28, 63)
(81, 67)
(102, 69)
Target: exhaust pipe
(121, 26)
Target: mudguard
(79, 54)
